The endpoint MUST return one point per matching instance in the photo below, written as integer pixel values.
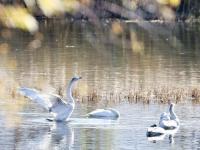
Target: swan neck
(69, 92)
(172, 113)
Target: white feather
(36, 96)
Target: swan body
(154, 131)
(101, 113)
(57, 106)
(169, 121)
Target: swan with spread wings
(57, 106)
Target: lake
(30, 130)
(113, 59)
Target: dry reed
(151, 95)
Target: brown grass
(154, 95)
(149, 95)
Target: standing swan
(169, 121)
(104, 113)
(60, 109)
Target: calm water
(129, 132)
(144, 56)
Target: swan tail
(35, 96)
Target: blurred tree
(21, 13)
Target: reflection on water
(61, 135)
(168, 134)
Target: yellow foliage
(168, 13)
(17, 17)
(54, 7)
(163, 2)
(174, 3)
(51, 7)
(71, 5)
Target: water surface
(144, 56)
(129, 132)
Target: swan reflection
(60, 136)
(62, 133)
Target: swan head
(76, 78)
(71, 85)
(171, 106)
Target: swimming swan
(104, 113)
(60, 109)
(169, 120)
(154, 131)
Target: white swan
(154, 131)
(104, 113)
(169, 120)
(60, 109)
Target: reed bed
(153, 95)
(161, 94)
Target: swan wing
(168, 124)
(35, 96)
(47, 101)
